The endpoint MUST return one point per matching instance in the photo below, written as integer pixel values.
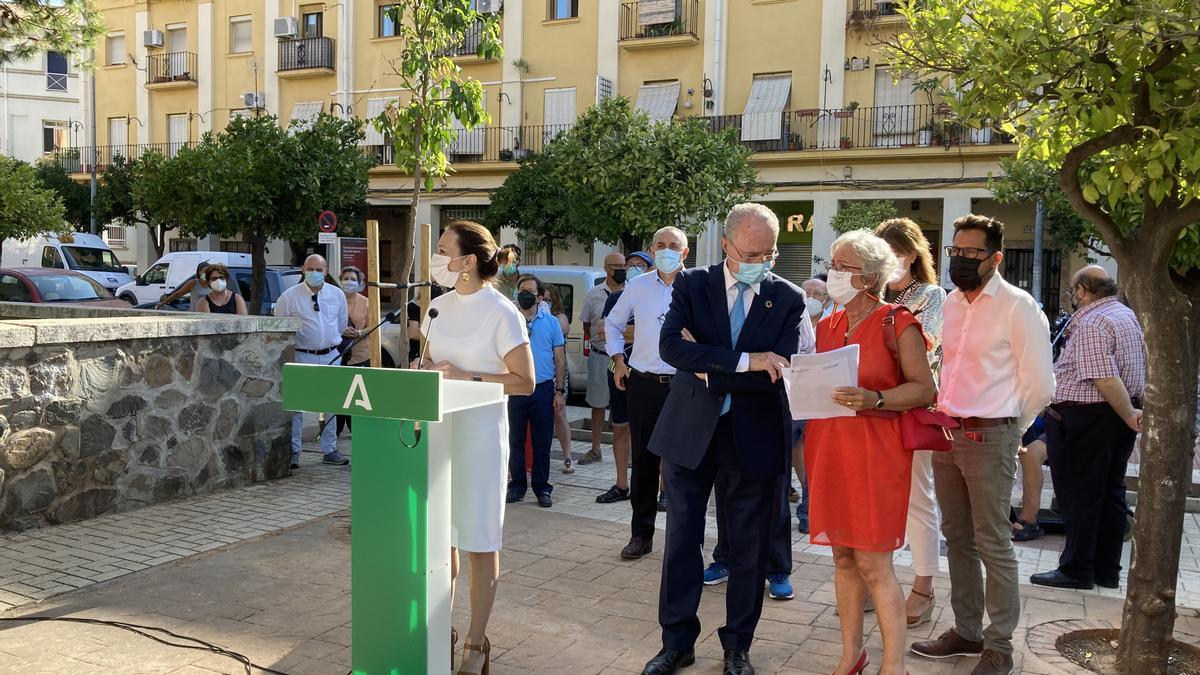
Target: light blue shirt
(646, 300)
(545, 334)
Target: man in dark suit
(731, 330)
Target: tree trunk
(631, 243)
(299, 252)
(158, 239)
(258, 273)
(1170, 324)
(549, 250)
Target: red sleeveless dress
(859, 473)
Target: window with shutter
(114, 49)
(895, 109)
(56, 71)
(304, 112)
(658, 100)
(118, 136)
(177, 133)
(240, 34)
(763, 117)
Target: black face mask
(526, 299)
(964, 272)
(619, 276)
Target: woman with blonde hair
(915, 285)
(478, 336)
(858, 468)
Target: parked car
(172, 271)
(276, 283)
(78, 251)
(60, 287)
(572, 283)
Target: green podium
(400, 504)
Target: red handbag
(920, 428)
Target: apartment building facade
(41, 106)
(801, 81)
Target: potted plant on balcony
(925, 135)
(795, 142)
(506, 155)
(845, 143)
(982, 135)
(848, 111)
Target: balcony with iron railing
(641, 28)
(306, 57)
(468, 47)
(79, 160)
(859, 12)
(487, 144)
(170, 70)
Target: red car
(48, 285)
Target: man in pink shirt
(996, 378)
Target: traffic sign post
(400, 503)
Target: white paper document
(812, 378)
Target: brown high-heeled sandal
(924, 617)
(486, 650)
(453, 642)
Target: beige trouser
(974, 482)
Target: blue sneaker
(717, 573)
(779, 587)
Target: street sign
(327, 237)
(327, 221)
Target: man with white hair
(646, 377)
(323, 315)
(729, 333)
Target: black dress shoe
(544, 500)
(1109, 583)
(638, 547)
(1056, 579)
(669, 661)
(737, 662)
(514, 496)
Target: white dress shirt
(996, 358)
(646, 300)
(808, 337)
(318, 330)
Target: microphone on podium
(433, 314)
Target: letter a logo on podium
(357, 385)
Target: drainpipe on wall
(1039, 227)
(92, 115)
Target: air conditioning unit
(489, 6)
(254, 99)
(285, 27)
(152, 38)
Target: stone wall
(114, 410)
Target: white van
(79, 251)
(172, 271)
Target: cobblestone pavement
(264, 571)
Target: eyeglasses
(840, 267)
(316, 305)
(968, 252)
(764, 258)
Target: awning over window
(375, 108)
(658, 100)
(305, 111)
(763, 117)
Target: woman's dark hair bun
(475, 239)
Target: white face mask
(839, 287)
(439, 270)
(217, 285)
(351, 286)
(815, 308)
(902, 265)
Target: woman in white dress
(478, 335)
(916, 287)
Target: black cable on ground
(137, 629)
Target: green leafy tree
(251, 179)
(141, 192)
(27, 208)
(626, 176)
(862, 214)
(76, 197)
(29, 27)
(331, 151)
(1104, 93)
(1026, 180)
(421, 125)
(532, 201)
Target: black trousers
(748, 533)
(779, 557)
(1088, 448)
(645, 399)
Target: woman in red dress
(858, 469)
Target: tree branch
(1068, 178)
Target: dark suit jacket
(759, 408)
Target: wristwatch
(879, 403)
(476, 378)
